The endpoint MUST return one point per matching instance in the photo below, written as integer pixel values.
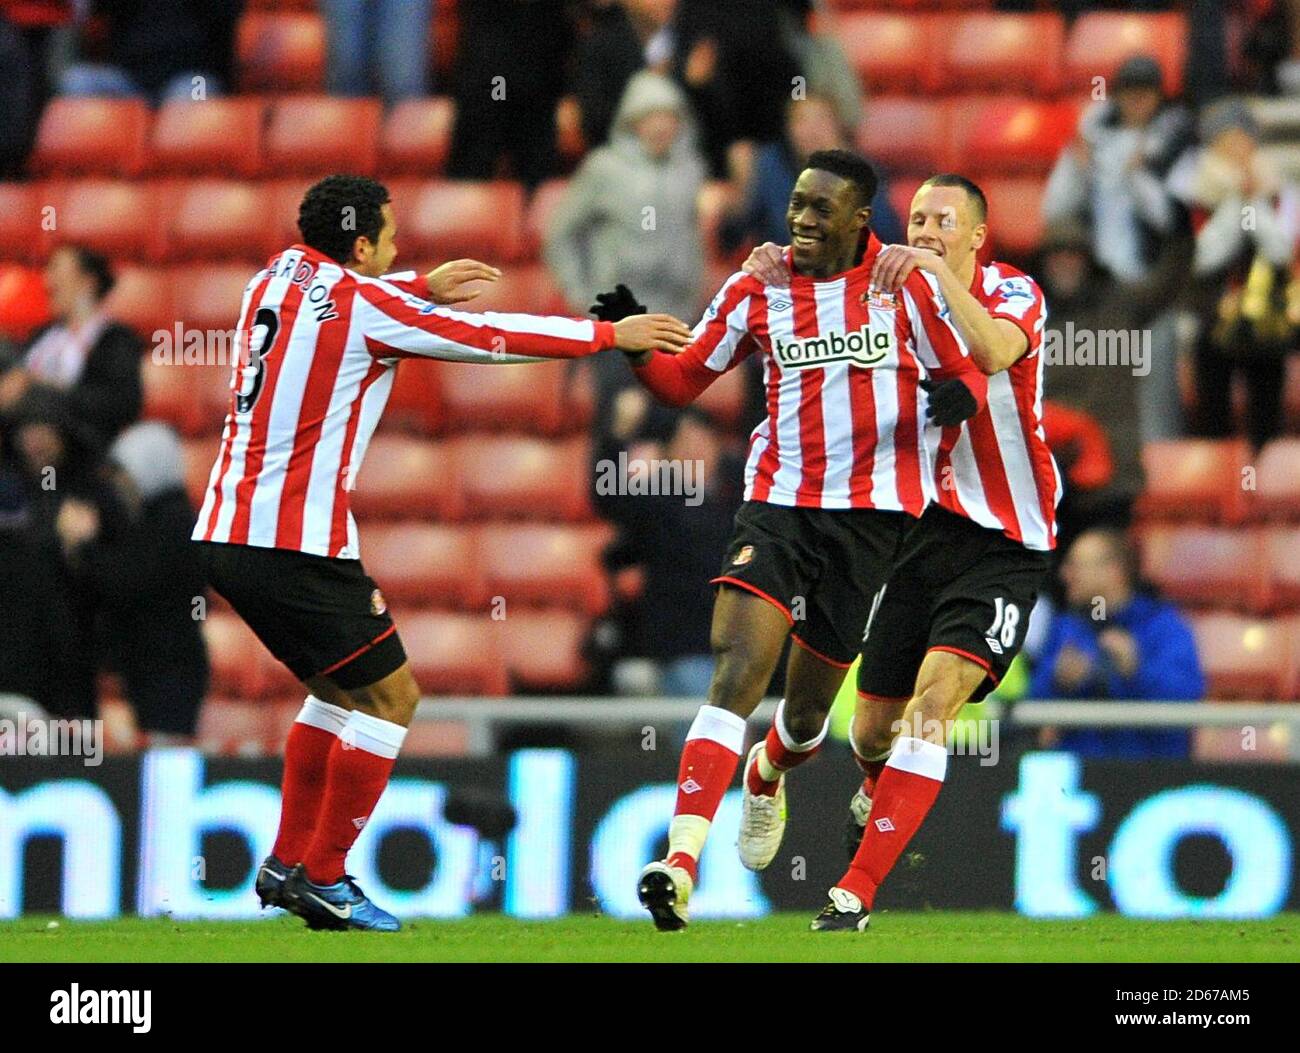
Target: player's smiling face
(943, 219)
(825, 223)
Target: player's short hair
(94, 265)
(847, 165)
(338, 210)
(976, 195)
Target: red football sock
(704, 773)
(306, 752)
(904, 794)
(783, 753)
(359, 765)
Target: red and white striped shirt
(996, 468)
(305, 400)
(845, 411)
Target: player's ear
(862, 217)
(979, 235)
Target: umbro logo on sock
(360, 821)
(884, 825)
(691, 786)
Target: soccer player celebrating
(954, 611)
(323, 333)
(835, 473)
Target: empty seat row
(529, 649)
(159, 220)
(1255, 570)
(1220, 481)
(903, 50)
(472, 477)
(1248, 659)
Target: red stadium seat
(1198, 479)
(1245, 658)
(211, 137)
(524, 478)
(415, 403)
(92, 136)
(528, 398)
(445, 220)
(286, 197)
(208, 296)
(1207, 566)
(241, 665)
(1098, 42)
(419, 564)
(537, 218)
(1010, 135)
(891, 52)
(23, 303)
(24, 223)
(543, 649)
(526, 288)
(416, 137)
(1001, 51)
(200, 455)
(906, 134)
(454, 653)
(119, 219)
(280, 52)
(1277, 480)
(316, 135)
(1281, 546)
(404, 477)
(536, 564)
(1015, 215)
(218, 219)
(142, 299)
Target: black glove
(951, 402)
(617, 305)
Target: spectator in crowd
(57, 464)
(1112, 177)
(735, 62)
(1248, 218)
(1085, 303)
(629, 214)
(767, 173)
(377, 47)
(625, 36)
(675, 538)
(509, 77)
(1115, 643)
(89, 360)
(159, 49)
(821, 58)
(145, 580)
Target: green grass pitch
(893, 937)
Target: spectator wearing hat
(1247, 220)
(82, 355)
(1112, 178)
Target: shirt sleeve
(720, 341)
(399, 325)
(1019, 300)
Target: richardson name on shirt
(867, 347)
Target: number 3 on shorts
(1005, 621)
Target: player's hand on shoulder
(448, 283)
(895, 263)
(767, 264)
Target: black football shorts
(319, 616)
(820, 566)
(959, 587)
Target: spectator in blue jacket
(1115, 642)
